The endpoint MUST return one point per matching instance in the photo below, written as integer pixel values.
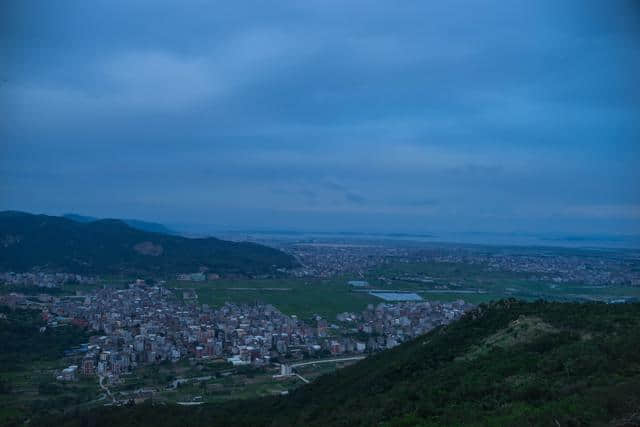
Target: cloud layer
(323, 115)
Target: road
(301, 377)
(313, 362)
(106, 389)
(174, 383)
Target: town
(146, 324)
(327, 258)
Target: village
(147, 324)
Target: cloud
(422, 203)
(158, 80)
(355, 198)
(333, 185)
(603, 211)
(154, 80)
(476, 116)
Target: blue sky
(406, 116)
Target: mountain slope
(152, 227)
(510, 363)
(110, 246)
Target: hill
(50, 243)
(153, 227)
(508, 363)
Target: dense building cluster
(588, 270)
(388, 325)
(140, 325)
(330, 259)
(147, 324)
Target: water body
(565, 240)
(392, 296)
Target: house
(70, 373)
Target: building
(69, 374)
(88, 366)
(358, 283)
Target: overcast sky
(416, 116)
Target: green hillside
(52, 243)
(509, 363)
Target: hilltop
(50, 243)
(507, 363)
(153, 227)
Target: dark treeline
(23, 342)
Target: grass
(243, 383)
(448, 279)
(451, 281)
(302, 297)
(36, 391)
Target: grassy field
(473, 283)
(327, 297)
(238, 386)
(302, 297)
(203, 381)
(216, 381)
(305, 297)
(311, 372)
(35, 390)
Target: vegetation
(475, 283)
(133, 223)
(302, 297)
(112, 247)
(506, 363)
(29, 359)
(25, 339)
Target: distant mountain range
(152, 227)
(108, 246)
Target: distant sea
(477, 238)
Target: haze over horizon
(412, 117)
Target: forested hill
(53, 243)
(133, 223)
(509, 363)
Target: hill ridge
(153, 227)
(105, 246)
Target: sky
(407, 116)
